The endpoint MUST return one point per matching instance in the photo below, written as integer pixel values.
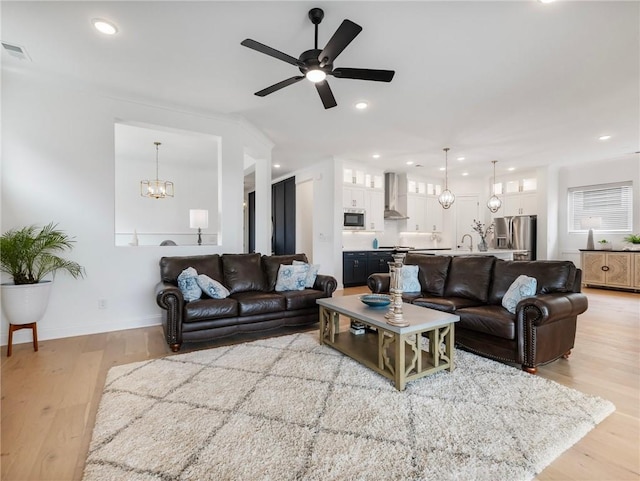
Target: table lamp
(590, 223)
(199, 219)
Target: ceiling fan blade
(279, 85)
(328, 100)
(270, 51)
(346, 32)
(364, 74)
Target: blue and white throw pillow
(523, 286)
(311, 275)
(188, 284)
(410, 282)
(211, 287)
(291, 278)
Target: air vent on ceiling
(16, 51)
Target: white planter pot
(25, 303)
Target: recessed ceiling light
(376, 156)
(547, 1)
(409, 162)
(511, 169)
(441, 169)
(276, 166)
(465, 174)
(104, 26)
(604, 137)
(362, 105)
(460, 158)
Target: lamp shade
(591, 222)
(198, 218)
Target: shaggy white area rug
(288, 408)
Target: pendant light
(446, 198)
(494, 203)
(156, 189)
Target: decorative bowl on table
(376, 300)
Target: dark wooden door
(252, 221)
(283, 216)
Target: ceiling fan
(316, 64)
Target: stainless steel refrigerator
(517, 233)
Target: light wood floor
(50, 398)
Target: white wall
(304, 221)
(58, 165)
(593, 173)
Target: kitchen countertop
(609, 250)
(391, 249)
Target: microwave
(353, 219)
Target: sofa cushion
(492, 320)
(523, 286)
(291, 277)
(447, 304)
(295, 300)
(311, 275)
(256, 302)
(470, 277)
(409, 275)
(171, 267)
(432, 273)
(188, 284)
(206, 309)
(271, 264)
(551, 276)
(211, 287)
(243, 272)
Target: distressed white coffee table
(395, 352)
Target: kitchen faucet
(470, 241)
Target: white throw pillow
(211, 287)
(410, 282)
(188, 284)
(291, 278)
(523, 286)
(311, 275)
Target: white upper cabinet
(353, 198)
(375, 210)
(435, 215)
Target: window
(612, 203)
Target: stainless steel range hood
(391, 198)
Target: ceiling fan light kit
(316, 64)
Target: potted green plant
(605, 245)
(634, 240)
(28, 255)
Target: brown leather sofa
(252, 305)
(542, 329)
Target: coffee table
(395, 352)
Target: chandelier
(494, 202)
(446, 198)
(156, 189)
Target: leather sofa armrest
(548, 308)
(379, 283)
(327, 284)
(168, 295)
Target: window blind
(613, 203)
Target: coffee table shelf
(395, 352)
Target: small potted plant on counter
(605, 245)
(634, 240)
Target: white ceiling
(522, 82)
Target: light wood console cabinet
(619, 269)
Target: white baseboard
(23, 336)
